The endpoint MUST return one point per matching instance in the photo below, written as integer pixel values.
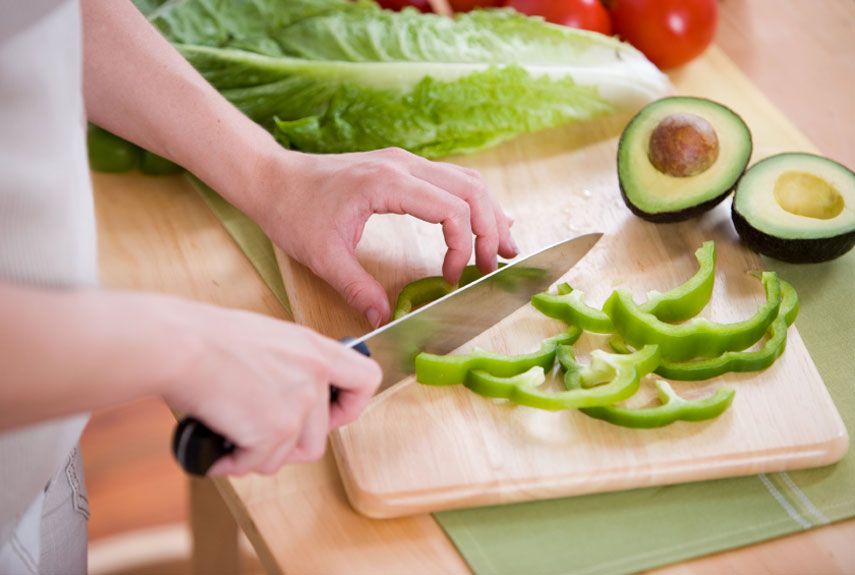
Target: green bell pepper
(679, 304)
(672, 408)
(733, 361)
(569, 306)
(687, 300)
(699, 337)
(421, 292)
(110, 153)
(434, 369)
(611, 378)
(155, 165)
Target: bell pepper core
(620, 373)
(672, 408)
(698, 337)
(434, 369)
(733, 361)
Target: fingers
(264, 458)
(355, 376)
(359, 288)
(491, 226)
(468, 186)
(313, 440)
(432, 204)
(507, 246)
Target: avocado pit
(683, 145)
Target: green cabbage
(336, 76)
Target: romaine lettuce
(335, 76)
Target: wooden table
(802, 56)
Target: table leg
(214, 531)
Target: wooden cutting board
(418, 449)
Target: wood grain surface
(160, 236)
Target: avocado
(796, 207)
(680, 156)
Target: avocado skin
(677, 215)
(797, 251)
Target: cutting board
(418, 449)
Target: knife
(439, 327)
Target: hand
(330, 198)
(262, 383)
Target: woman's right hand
(262, 383)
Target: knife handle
(197, 447)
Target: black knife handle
(197, 447)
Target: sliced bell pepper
(672, 408)
(687, 300)
(434, 369)
(699, 337)
(733, 361)
(422, 291)
(616, 377)
(679, 304)
(569, 306)
(110, 153)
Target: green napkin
(630, 531)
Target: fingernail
(515, 247)
(373, 317)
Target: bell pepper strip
(733, 361)
(569, 306)
(679, 304)
(699, 337)
(672, 408)
(153, 165)
(422, 291)
(687, 300)
(434, 369)
(619, 374)
(110, 153)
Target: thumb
(357, 286)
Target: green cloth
(629, 531)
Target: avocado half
(702, 173)
(796, 207)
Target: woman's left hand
(315, 208)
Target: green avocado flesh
(659, 196)
(796, 207)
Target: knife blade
(451, 321)
(439, 327)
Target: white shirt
(47, 224)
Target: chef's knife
(439, 327)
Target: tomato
(467, 5)
(584, 14)
(668, 32)
(422, 5)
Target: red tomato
(422, 5)
(669, 32)
(467, 5)
(584, 14)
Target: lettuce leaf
(337, 76)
